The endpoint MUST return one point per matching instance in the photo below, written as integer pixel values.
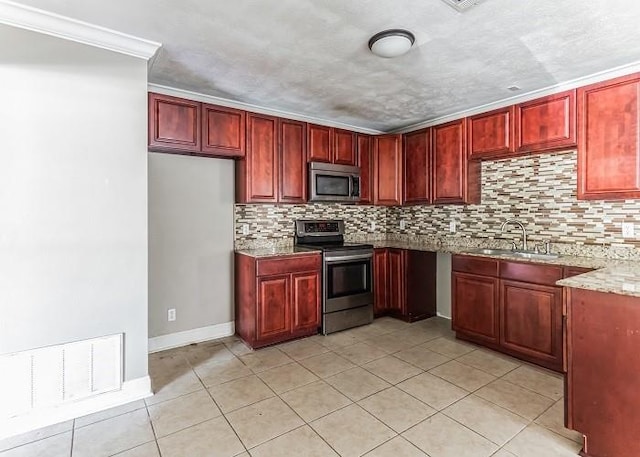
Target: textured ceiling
(310, 57)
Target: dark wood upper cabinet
(417, 157)
(387, 164)
(608, 152)
(547, 123)
(491, 134)
(223, 131)
(174, 124)
(293, 161)
(365, 162)
(320, 143)
(257, 174)
(455, 179)
(344, 147)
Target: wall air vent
(461, 5)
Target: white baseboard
(197, 335)
(133, 390)
(443, 316)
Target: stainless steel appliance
(347, 274)
(333, 183)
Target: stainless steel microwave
(333, 183)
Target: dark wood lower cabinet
(404, 283)
(277, 298)
(602, 400)
(474, 307)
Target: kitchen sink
(516, 254)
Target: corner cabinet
(277, 298)
(404, 283)
(387, 166)
(608, 144)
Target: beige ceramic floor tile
(503, 453)
(207, 353)
(211, 438)
(302, 349)
(262, 421)
(536, 441)
(146, 450)
(389, 324)
(265, 359)
(315, 400)
(540, 381)
(389, 342)
(238, 347)
(174, 415)
(220, 372)
(113, 435)
(432, 390)
(468, 378)
(553, 419)
(35, 435)
(449, 348)
(422, 357)
(491, 362)
(361, 353)
(352, 431)
(485, 418)
(325, 365)
(418, 335)
(239, 393)
(108, 413)
(440, 436)
(357, 383)
(338, 340)
(396, 447)
(171, 377)
(397, 409)
(366, 331)
(392, 369)
(302, 441)
(53, 446)
(287, 377)
(515, 398)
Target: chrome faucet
(519, 224)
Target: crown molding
(182, 93)
(41, 21)
(550, 90)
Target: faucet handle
(514, 246)
(547, 247)
(546, 244)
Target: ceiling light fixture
(391, 43)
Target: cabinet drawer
(527, 272)
(275, 266)
(475, 265)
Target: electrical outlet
(452, 226)
(628, 230)
(245, 229)
(373, 225)
(171, 315)
(403, 224)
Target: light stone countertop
(276, 251)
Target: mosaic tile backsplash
(538, 190)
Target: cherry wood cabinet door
(293, 161)
(174, 124)
(365, 162)
(454, 179)
(491, 134)
(380, 281)
(344, 147)
(261, 174)
(547, 123)
(417, 178)
(274, 307)
(531, 322)
(305, 303)
(420, 280)
(387, 163)
(475, 306)
(320, 143)
(608, 151)
(223, 131)
(397, 294)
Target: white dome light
(391, 43)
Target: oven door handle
(348, 258)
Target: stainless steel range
(347, 274)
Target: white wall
(73, 195)
(190, 243)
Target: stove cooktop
(335, 246)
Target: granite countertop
(276, 251)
